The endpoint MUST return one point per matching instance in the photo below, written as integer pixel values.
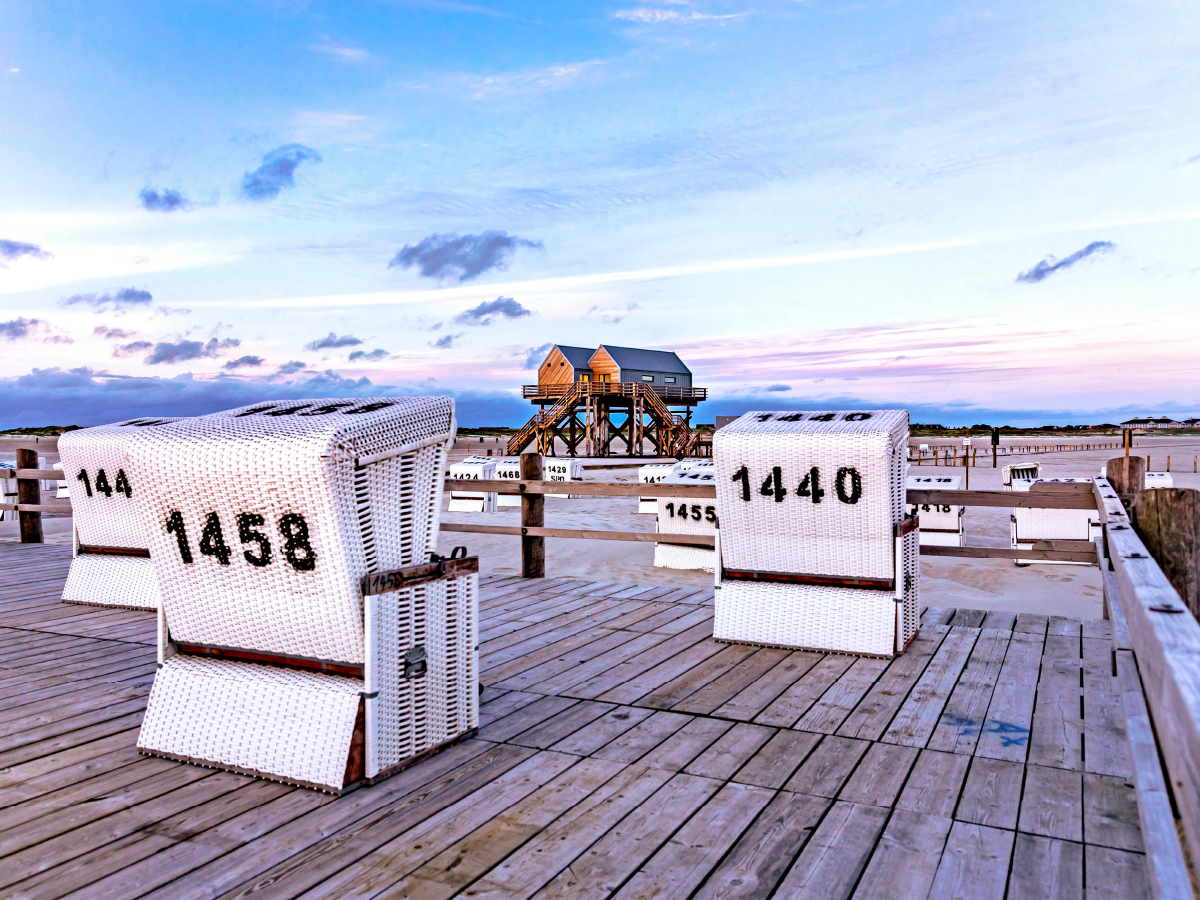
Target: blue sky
(979, 211)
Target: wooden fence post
(533, 515)
(29, 490)
(1168, 521)
(1127, 474)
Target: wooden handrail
(1030, 500)
(38, 474)
(1165, 638)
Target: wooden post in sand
(1127, 474)
(533, 515)
(1168, 521)
(29, 490)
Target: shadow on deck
(622, 753)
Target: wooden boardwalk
(622, 753)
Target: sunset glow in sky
(979, 211)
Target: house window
(669, 379)
(585, 377)
(647, 378)
(604, 376)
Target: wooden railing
(666, 391)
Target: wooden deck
(622, 753)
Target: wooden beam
(29, 494)
(1168, 521)
(1086, 553)
(36, 507)
(1041, 500)
(1166, 639)
(41, 474)
(533, 515)
(649, 537)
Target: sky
(979, 211)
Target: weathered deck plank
(622, 752)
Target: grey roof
(578, 357)
(646, 360)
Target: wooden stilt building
(612, 401)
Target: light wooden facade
(611, 401)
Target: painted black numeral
(743, 475)
(297, 551)
(122, 484)
(247, 524)
(695, 512)
(102, 484)
(212, 541)
(175, 527)
(810, 486)
(855, 492)
(773, 485)
(710, 513)
(370, 407)
(87, 482)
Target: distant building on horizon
(1150, 422)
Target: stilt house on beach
(591, 399)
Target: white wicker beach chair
(680, 515)
(1029, 525)
(508, 469)
(474, 468)
(814, 550)
(305, 635)
(111, 562)
(561, 469)
(653, 473)
(941, 523)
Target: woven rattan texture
(279, 523)
(283, 723)
(766, 465)
(410, 716)
(677, 556)
(1053, 524)
(103, 491)
(933, 516)
(124, 581)
(842, 620)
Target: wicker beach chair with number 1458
(111, 563)
(308, 634)
(814, 550)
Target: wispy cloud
(332, 341)
(291, 367)
(526, 81)
(1049, 266)
(445, 342)
(488, 311)
(123, 350)
(113, 334)
(653, 16)
(277, 171)
(340, 51)
(58, 339)
(122, 300)
(612, 315)
(168, 200)
(777, 388)
(10, 250)
(170, 353)
(535, 355)
(368, 356)
(20, 328)
(244, 362)
(467, 255)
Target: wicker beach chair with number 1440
(307, 632)
(814, 550)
